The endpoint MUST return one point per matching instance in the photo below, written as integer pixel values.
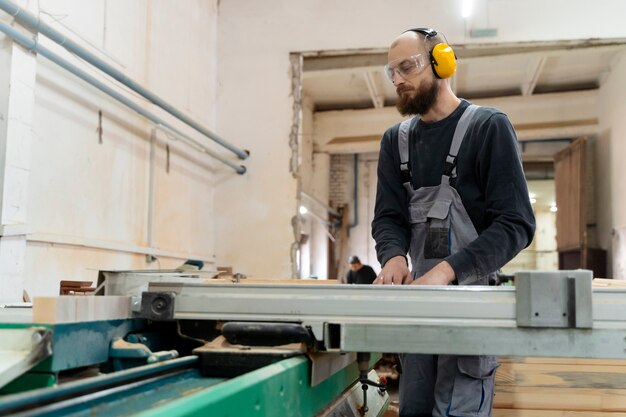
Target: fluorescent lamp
(466, 9)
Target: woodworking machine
(196, 347)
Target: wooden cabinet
(575, 218)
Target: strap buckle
(449, 165)
(405, 172)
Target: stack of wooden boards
(552, 387)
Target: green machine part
(280, 389)
(74, 345)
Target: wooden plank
(572, 399)
(608, 283)
(54, 309)
(76, 284)
(561, 375)
(561, 361)
(517, 412)
(70, 309)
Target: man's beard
(421, 102)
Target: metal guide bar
(471, 340)
(483, 306)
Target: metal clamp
(157, 305)
(560, 299)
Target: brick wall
(341, 179)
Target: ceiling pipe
(31, 45)
(34, 23)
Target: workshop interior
(187, 188)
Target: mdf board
(569, 176)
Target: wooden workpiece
(68, 309)
(555, 387)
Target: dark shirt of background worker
(359, 273)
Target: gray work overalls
(459, 386)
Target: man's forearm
(440, 274)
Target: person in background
(359, 273)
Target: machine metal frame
(407, 319)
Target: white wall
(610, 168)
(254, 96)
(88, 203)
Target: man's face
(408, 67)
(355, 267)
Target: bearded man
(451, 193)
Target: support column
(17, 98)
(319, 237)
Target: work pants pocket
(472, 394)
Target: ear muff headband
(442, 59)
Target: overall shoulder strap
(449, 170)
(403, 148)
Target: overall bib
(444, 385)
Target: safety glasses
(407, 68)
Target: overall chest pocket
(435, 218)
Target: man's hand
(395, 272)
(441, 274)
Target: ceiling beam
(365, 144)
(533, 72)
(544, 116)
(612, 64)
(373, 86)
(377, 57)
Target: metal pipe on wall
(32, 22)
(29, 44)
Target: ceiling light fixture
(466, 9)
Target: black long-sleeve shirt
(490, 181)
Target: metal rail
(343, 303)
(47, 397)
(29, 44)
(34, 23)
(447, 320)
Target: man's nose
(396, 78)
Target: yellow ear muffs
(443, 61)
